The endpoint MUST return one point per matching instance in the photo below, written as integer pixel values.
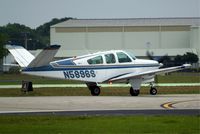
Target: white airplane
(100, 67)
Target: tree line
(178, 60)
(18, 34)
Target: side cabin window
(122, 57)
(110, 58)
(95, 60)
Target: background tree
(186, 58)
(166, 60)
(43, 31)
(3, 51)
(36, 38)
(190, 58)
(178, 60)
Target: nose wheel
(153, 91)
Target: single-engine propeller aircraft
(100, 67)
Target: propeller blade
(150, 55)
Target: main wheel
(134, 92)
(153, 91)
(95, 91)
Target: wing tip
(186, 65)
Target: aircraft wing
(152, 72)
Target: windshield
(122, 57)
(131, 55)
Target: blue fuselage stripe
(50, 68)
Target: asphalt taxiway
(103, 105)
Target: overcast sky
(36, 12)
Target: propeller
(161, 59)
(150, 55)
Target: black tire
(95, 91)
(134, 92)
(153, 91)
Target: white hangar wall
(195, 38)
(80, 39)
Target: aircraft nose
(161, 64)
(155, 62)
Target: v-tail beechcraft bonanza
(100, 67)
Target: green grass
(99, 124)
(179, 77)
(11, 79)
(106, 91)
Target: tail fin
(45, 56)
(25, 59)
(21, 55)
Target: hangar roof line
(191, 21)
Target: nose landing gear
(153, 90)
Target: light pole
(25, 39)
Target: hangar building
(162, 36)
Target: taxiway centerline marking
(169, 105)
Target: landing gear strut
(134, 92)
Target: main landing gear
(152, 91)
(94, 89)
(134, 92)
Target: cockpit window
(110, 58)
(95, 60)
(122, 57)
(130, 54)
